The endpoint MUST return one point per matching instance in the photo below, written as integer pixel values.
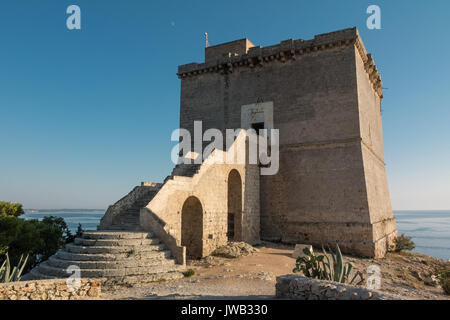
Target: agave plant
(338, 271)
(315, 266)
(8, 275)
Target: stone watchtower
(324, 95)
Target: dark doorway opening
(258, 126)
(234, 225)
(230, 231)
(192, 228)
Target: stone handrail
(114, 210)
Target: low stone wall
(49, 290)
(300, 288)
(145, 191)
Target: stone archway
(192, 227)
(234, 226)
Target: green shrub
(79, 232)
(3, 250)
(444, 279)
(322, 268)
(189, 273)
(131, 253)
(38, 239)
(310, 265)
(10, 209)
(403, 243)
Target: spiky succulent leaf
(340, 264)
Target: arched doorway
(234, 227)
(192, 227)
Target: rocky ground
(240, 271)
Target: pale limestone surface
(213, 187)
(56, 289)
(324, 95)
(301, 288)
(116, 257)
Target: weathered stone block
(298, 251)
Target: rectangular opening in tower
(258, 126)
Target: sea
(430, 230)
(89, 220)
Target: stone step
(122, 264)
(115, 256)
(108, 249)
(181, 178)
(132, 280)
(49, 270)
(157, 255)
(125, 227)
(134, 211)
(115, 235)
(185, 170)
(130, 213)
(36, 275)
(127, 220)
(140, 204)
(115, 242)
(124, 215)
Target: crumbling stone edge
(296, 287)
(53, 289)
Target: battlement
(224, 58)
(228, 49)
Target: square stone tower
(324, 95)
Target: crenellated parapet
(369, 66)
(242, 54)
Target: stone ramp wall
(55, 289)
(163, 215)
(300, 288)
(139, 196)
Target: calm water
(89, 220)
(430, 230)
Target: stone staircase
(128, 219)
(118, 257)
(124, 214)
(184, 170)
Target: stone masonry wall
(369, 103)
(326, 95)
(49, 290)
(300, 288)
(121, 206)
(210, 187)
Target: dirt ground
(253, 277)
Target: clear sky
(85, 115)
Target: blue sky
(85, 115)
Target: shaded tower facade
(324, 96)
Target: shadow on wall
(192, 227)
